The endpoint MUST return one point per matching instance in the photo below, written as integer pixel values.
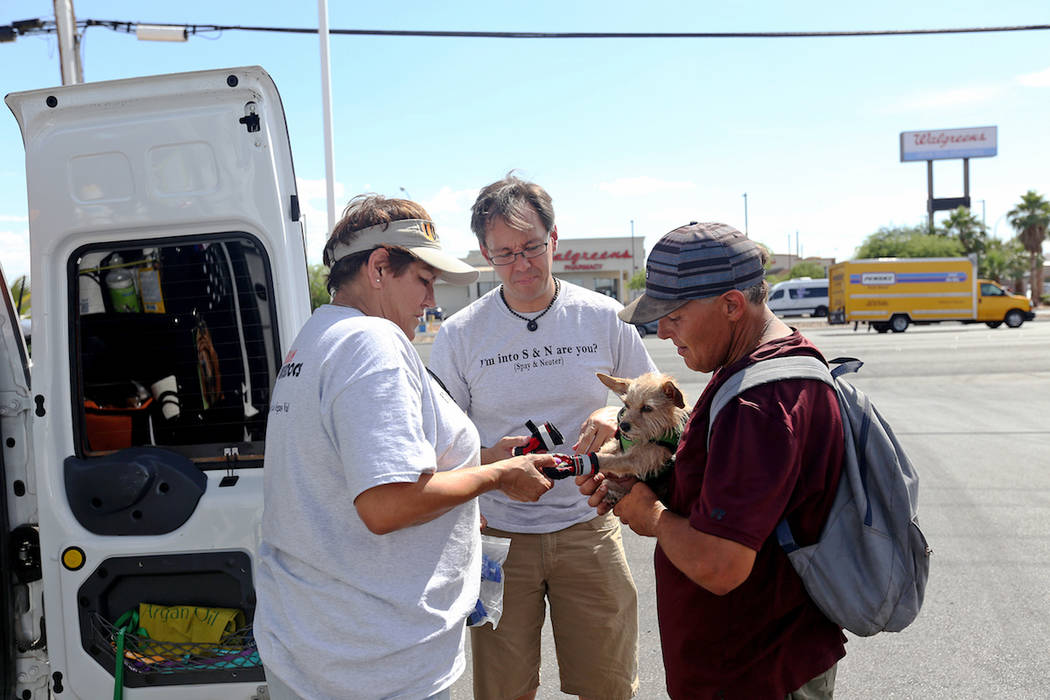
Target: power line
(46, 27)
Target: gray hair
(508, 199)
(756, 294)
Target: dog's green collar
(669, 439)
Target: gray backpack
(868, 571)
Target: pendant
(532, 325)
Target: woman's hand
(502, 449)
(599, 427)
(521, 479)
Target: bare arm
(713, 563)
(390, 507)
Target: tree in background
(908, 242)
(806, 268)
(637, 280)
(966, 228)
(21, 295)
(318, 275)
(1004, 262)
(1030, 219)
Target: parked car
(645, 329)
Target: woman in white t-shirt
(370, 557)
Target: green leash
(127, 621)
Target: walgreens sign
(580, 260)
(977, 142)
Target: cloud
(450, 210)
(316, 191)
(9, 218)
(313, 208)
(14, 252)
(1040, 78)
(643, 185)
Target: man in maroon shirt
(735, 620)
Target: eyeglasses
(529, 251)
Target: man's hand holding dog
(596, 430)
(640, 509)
(521, 479)
(596, 487)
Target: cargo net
(144, 655)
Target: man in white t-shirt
(529, 350)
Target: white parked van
(169, 277)
(800, 297)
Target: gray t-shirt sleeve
(632, 359)
(445, 365)
(381, 442)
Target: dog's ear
(674, 394)
(618, 386)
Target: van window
(777, 294)
(814, 292)
(991, 290)
(174, 345)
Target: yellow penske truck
(892, 293)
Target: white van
(169, 277)
(800, 297)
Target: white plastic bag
(489, 607)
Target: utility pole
(68, 43)
(326, 106)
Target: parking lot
(972, 407)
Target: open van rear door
(21, 635)
(169, 273)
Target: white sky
(658, 132)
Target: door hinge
(13, 402)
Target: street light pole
(746, 213)
(633, 256)
(407, 195)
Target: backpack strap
(773, 370)
(766, 371)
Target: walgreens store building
(602, 264)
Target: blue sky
(655, 131)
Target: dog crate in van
(169, 271)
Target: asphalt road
(972, 407)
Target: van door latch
(25, 553)
(250, 118)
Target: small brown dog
(648, 428)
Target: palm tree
(1030, 219)
(968, 229)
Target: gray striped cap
(696, 261)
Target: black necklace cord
(531, 322)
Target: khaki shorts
(582, 571)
